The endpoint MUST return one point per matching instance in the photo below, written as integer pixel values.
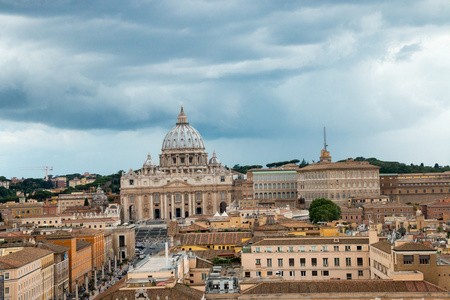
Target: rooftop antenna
(325, 138)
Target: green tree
(86, 202)
(324, 210)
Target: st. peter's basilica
(185, 182)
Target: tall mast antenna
(325, 138)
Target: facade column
(139, 207)
(183, 201)
(166, 206)
(203, 203)
(76, 289)
(173, 206)
(152, 210)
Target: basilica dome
(183, 136)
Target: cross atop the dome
(182, 119)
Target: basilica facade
(185, 182)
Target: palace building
(185, 182)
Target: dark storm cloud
(130, 64)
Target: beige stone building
(408, 261)
(276, 186)
(337, 181)
(28, 274)
(185, 183)
(415, 187)
(123, 241)
(307, 258)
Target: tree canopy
(387, 167)
(324, 210)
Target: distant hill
(397, 167)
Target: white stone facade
(184, 184)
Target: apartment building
(307, 258)
(436, 209)
(415, 187)
(408, 261)
(28, 274)
(376, 212)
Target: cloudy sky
(95, 85)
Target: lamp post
(95, 277)
(76, 289)
(86, 282)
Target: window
(6, 275)
(360, 273)
(222, 178)
(325, 262)
(303, 273)
(292, 273)
(336, 248)
(269, 262)
(359, 261)
(291, 262)
(336, 261)
(347, 248)
(204, 275)
(7, 290)
(302, 262)
(132, 199)
(302, 249)
(313, 249)
(291, 249)
(358, 248)
(314, 262)
(280, 262)
(325, 248)
(258, 273)
(131, 182)
(349, 276)
(314, 273)
(269, 273)
(326, 273)
(257, 249)
(247, 275)
(408, 259)
(348, 262)
(258, 261)
(424, 259)
(279, 249)
(269, 249)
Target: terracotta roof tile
(383, 245)
(23, 257)
(217, 238)
(83, 244)
(342, 287)
(413, 247)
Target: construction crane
(45, 168)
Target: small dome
(183, 135)
(214, 160)
(149, 162)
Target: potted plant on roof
(92, 289)
(104, 280)
(85, 295)
(120, 265)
